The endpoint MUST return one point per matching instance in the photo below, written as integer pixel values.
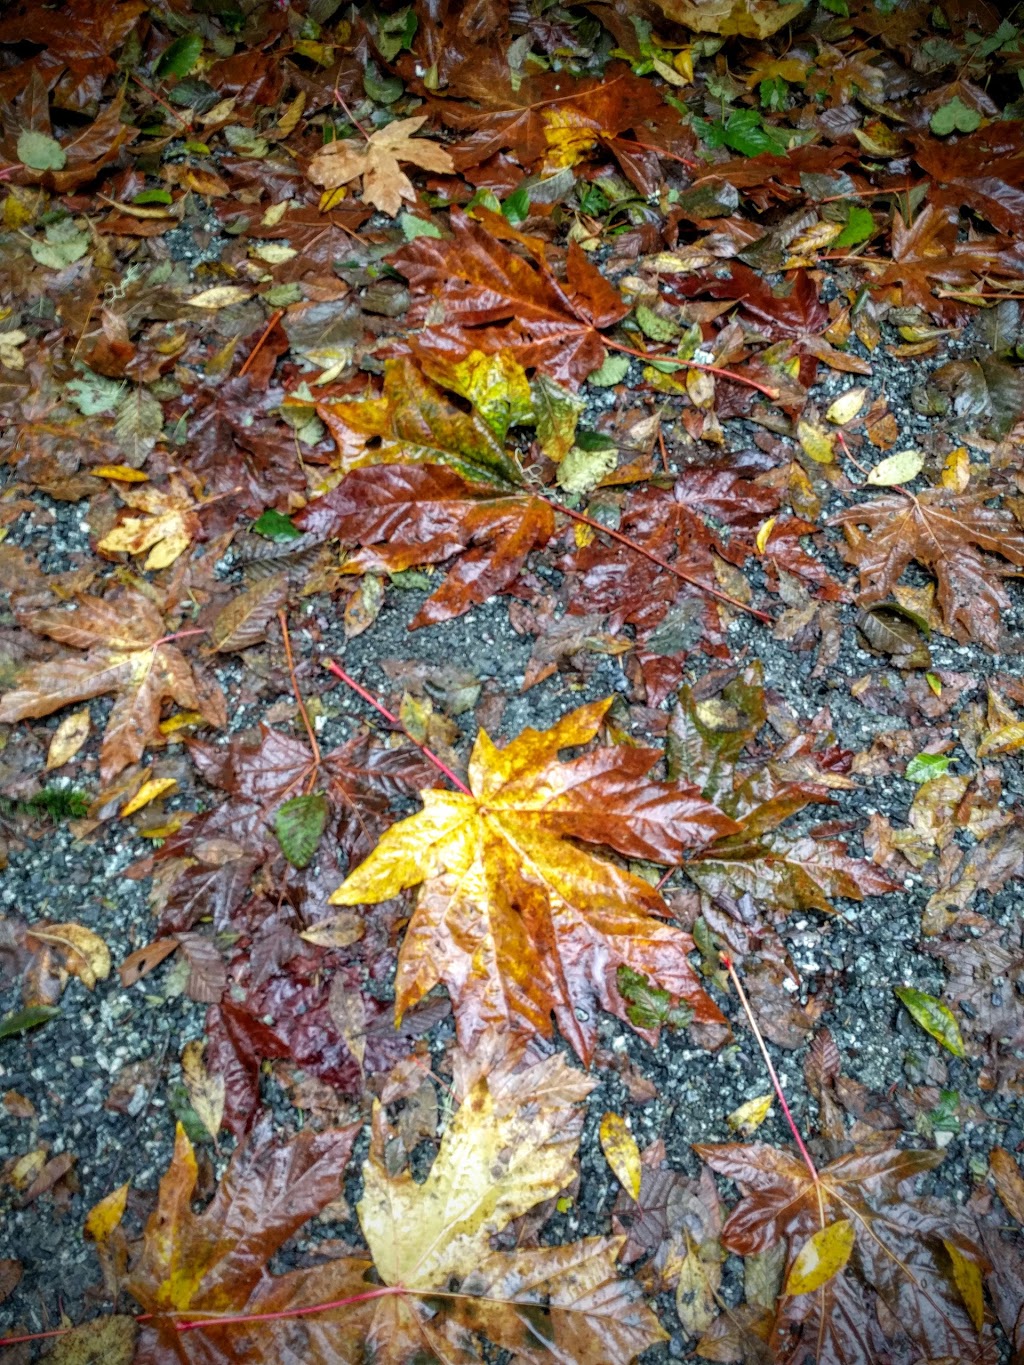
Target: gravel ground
(66, 1069)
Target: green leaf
(181, 56)
(22, 1020)
(94, 393)
(774, 94)
(647, 1005)
(924, 767)
(40, 152)
(413, 226)
(383, 89)
(276, 526)
(516, 208)
(954, 117)
(934, 1017)
(153, 197)
(612, 370)
(859, 226)
(299, 825)
(654, 325)
(839, 7)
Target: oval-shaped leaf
(299, 824)
(934, 1017)
(967, 1274)
(22, 1020)
(846, 406)
(821, 1257)
(181, 56)
(621, 1153)
(896, 469)
(40, 152)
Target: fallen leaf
(376, 161)
(514, 921)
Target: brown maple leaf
(517, 922)
(128, 653)
(511, 1145)
(376, 161)
(403, 515)
(952, 534)
(477, 281)
(916, 1266)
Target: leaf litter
(654, 327)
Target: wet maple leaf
(376, 162)
(478, 281)
(510, 1145)
(706, 744)
(916, 1257)
(404, 515)
(168, 526)
(517, 922)
(128, 654)
(414, 421)
(954, 535)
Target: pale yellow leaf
(205, 1092)
(86, 955)
(818, 444)
(68, 738)
(846, 407)
(749, 1116)
(896, 469)
(220, 296)
(956, 472)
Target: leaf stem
(295, 687)
(251, 357)
(194, 1324)
(729, 966)
(693, 365)
(361, 691)
(657, 559)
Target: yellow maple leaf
(377, 159)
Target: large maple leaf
(953, 535)
(475, 281)
(517, 922)
(128, 653)
(916, 1269)
(510, 1145)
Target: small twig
(657, 559)
(178, 635)
(727, 963)
(295, 687)
(340, 99)
(153, 95)
(275, 319)
(650, 147)
(196, 1324)
(693, 365)
(361, 691)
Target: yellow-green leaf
(896, 469)
(934, 1017)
